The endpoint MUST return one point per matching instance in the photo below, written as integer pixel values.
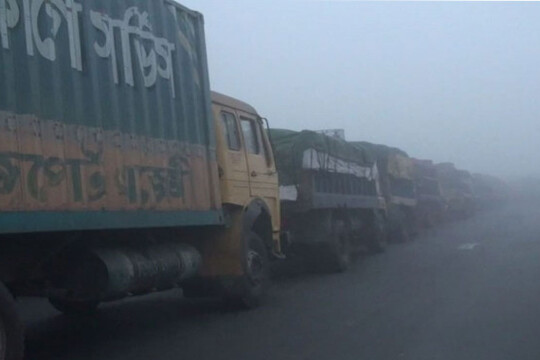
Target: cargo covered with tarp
(431, 205)
(324, 171)
(396, 170)
(426, 179)
(454, 182)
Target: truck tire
(400, 230)
(378, 236)
(428, 220)
(11, 328)
(249, 289)
(403, 233)
(73, 307)
(335, 254)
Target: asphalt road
(469, 290)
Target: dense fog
(453, 81)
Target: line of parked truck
(338, 197)
(122, 174)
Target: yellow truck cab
(247, 170)
(236, 258)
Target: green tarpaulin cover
(391, 161)
(381, 152)
(289, 147)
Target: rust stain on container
(100, 170)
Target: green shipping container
(105, 117)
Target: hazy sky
(451, 81)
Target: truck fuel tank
(107, 273)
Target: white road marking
(469, 246)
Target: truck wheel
(250, 289)
(11, 328)
(74, 307)
(403, 234)
(378, 237)
(429, 221)
(400, 229)
(339, 252)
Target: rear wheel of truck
(249, 289)
(399, 227)
(403, 233)
(378, 235)
(336, 254)
(11, 328)
(74, 307)
(429, 220)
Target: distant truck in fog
(396, 171)
(489, 191)
(431, 206)
(457, 191)
(331, 201)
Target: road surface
(469, 290)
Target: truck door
(262, 172)
(233, 167)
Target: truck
(398, 189)
(457, 191)
(431, 206)
(121, 173)
(331, 205)
(489, 191)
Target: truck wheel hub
(255, 267)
